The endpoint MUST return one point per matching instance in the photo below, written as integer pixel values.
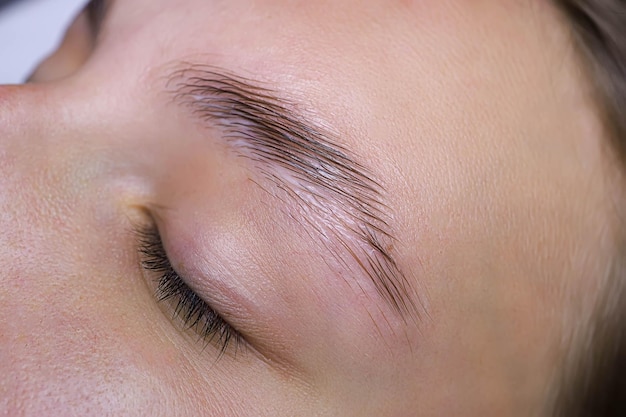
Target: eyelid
(194, 312)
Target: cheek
(57, 359)
(75, 324)
(85, 337)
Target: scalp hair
(593, 381)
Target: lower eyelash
(194, 312)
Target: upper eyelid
(257, 336)
(213, 325)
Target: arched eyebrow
(338, 199)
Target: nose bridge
(31, 136)
(30, 118)
(65, 156)
(34, 194)
(58, 223)
(14, 101)
(64, 266)
(50, 139)
(51, 177)
(21, 144)
(66, 178)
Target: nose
(52, 192)
(71, 54)
(70, 274)
(44, 165)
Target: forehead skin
(473, 118)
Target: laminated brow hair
(337, 198)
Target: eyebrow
(306, 165)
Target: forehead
(433, 95)
(364, 64)
(456, 105)
(417, 89)
(366, 38)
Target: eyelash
(188, 306)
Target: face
(274, 208)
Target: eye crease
(188, 307)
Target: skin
(474, 118)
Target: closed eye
(188, 307)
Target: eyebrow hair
(306, 165)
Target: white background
(29, 31)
